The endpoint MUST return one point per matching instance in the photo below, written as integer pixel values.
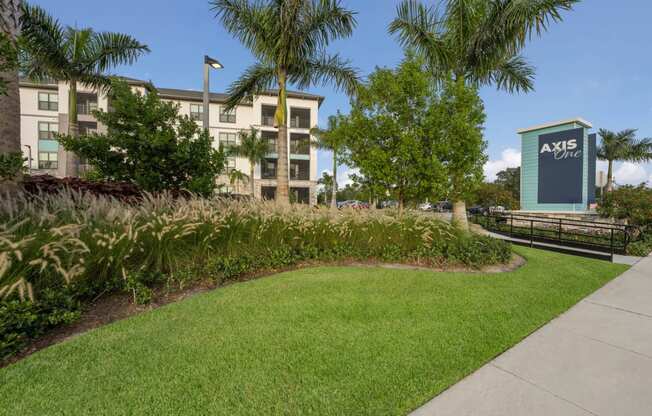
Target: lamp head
(213, 62)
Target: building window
(197, 112)
(300, 118)
(299, 170)
(48, 101)
(48, 146)
(226, 189)
(228, 139)
(268, 193)
(270, 138)
(268, 168)
(227, 116)
(87, 127)
(230, 165)
(299, 144)
(267, 115)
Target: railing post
(531, 233)
(559, 236)
(612, 245)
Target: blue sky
(596, 64)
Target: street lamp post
(208, 63)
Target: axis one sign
(560, 167)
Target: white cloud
(344, 178)
(630, 173)
(510, 158)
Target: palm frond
(256, 79)
(325, 21)
(106, 50)
(42, 43)
(513, 75)
(325, 69)
(248, 22)
(420, 28)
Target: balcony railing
(267, 120)
(86, 108)
(300, 122)
(300, 147)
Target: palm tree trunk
(251, 179)
(334, 187)
(10, 103)
(610, 179)
(459, 215)
(72, 164)
(282, 175)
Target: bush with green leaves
(147, 142)
(89, 245)
(11, 165)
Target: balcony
(268, 168)
(270, 138)
(267, 115)
(299, 170)
(300, 118)
(299, 144)
(86, 103)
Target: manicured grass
(328, 340)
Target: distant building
(44, 111)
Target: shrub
(85, 245)
(632, 203)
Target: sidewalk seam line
(605, 342)
(617, 308)
(541, 388)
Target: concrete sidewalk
(596, 359)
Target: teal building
(558, 162)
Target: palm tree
(9, 96)
(476, 42)
(73, 55)
(236, 176)
(622, 146)
(288, 38)
(254, 149)
(333, 139)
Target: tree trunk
(334, 187)
(72, 161)
(459, 215)
(610, 180)
(251, 179)
(10, 103)
(282, 173)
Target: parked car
(355, 204)
(478, 210)
(443, 206)
(498, 209)
(389, 204)
(426, 206)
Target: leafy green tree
(622, 146)
(393, 133)
(74, 56)
(632, 203)
(288, 38)
(9, 90)
(493, 194)
(333, 139)
(237, 176)
(475, 43)
(149, 143)
(510, 179)
(254, 148)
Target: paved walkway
(596, 359)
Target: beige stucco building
(44, 111)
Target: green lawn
(327, 340)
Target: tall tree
(288, 38)
(393, 133)
(9, 91)
(622, 146)
(333, 139)
(476, 42)
(510, 179)
(326, 181)
(253, 148)
(74, 56)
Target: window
(300, 118)
(226, 189)
(86, 103)
(300, 195)
(230, 165)
(87, 127)
(299, 170)
(268, 169)
(48, 101)
(299, 144)
(48, 146)
(227, 116)
(228, 139)
(197, 112)
(267, 115)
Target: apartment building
(44, 111)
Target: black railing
(598, 236)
